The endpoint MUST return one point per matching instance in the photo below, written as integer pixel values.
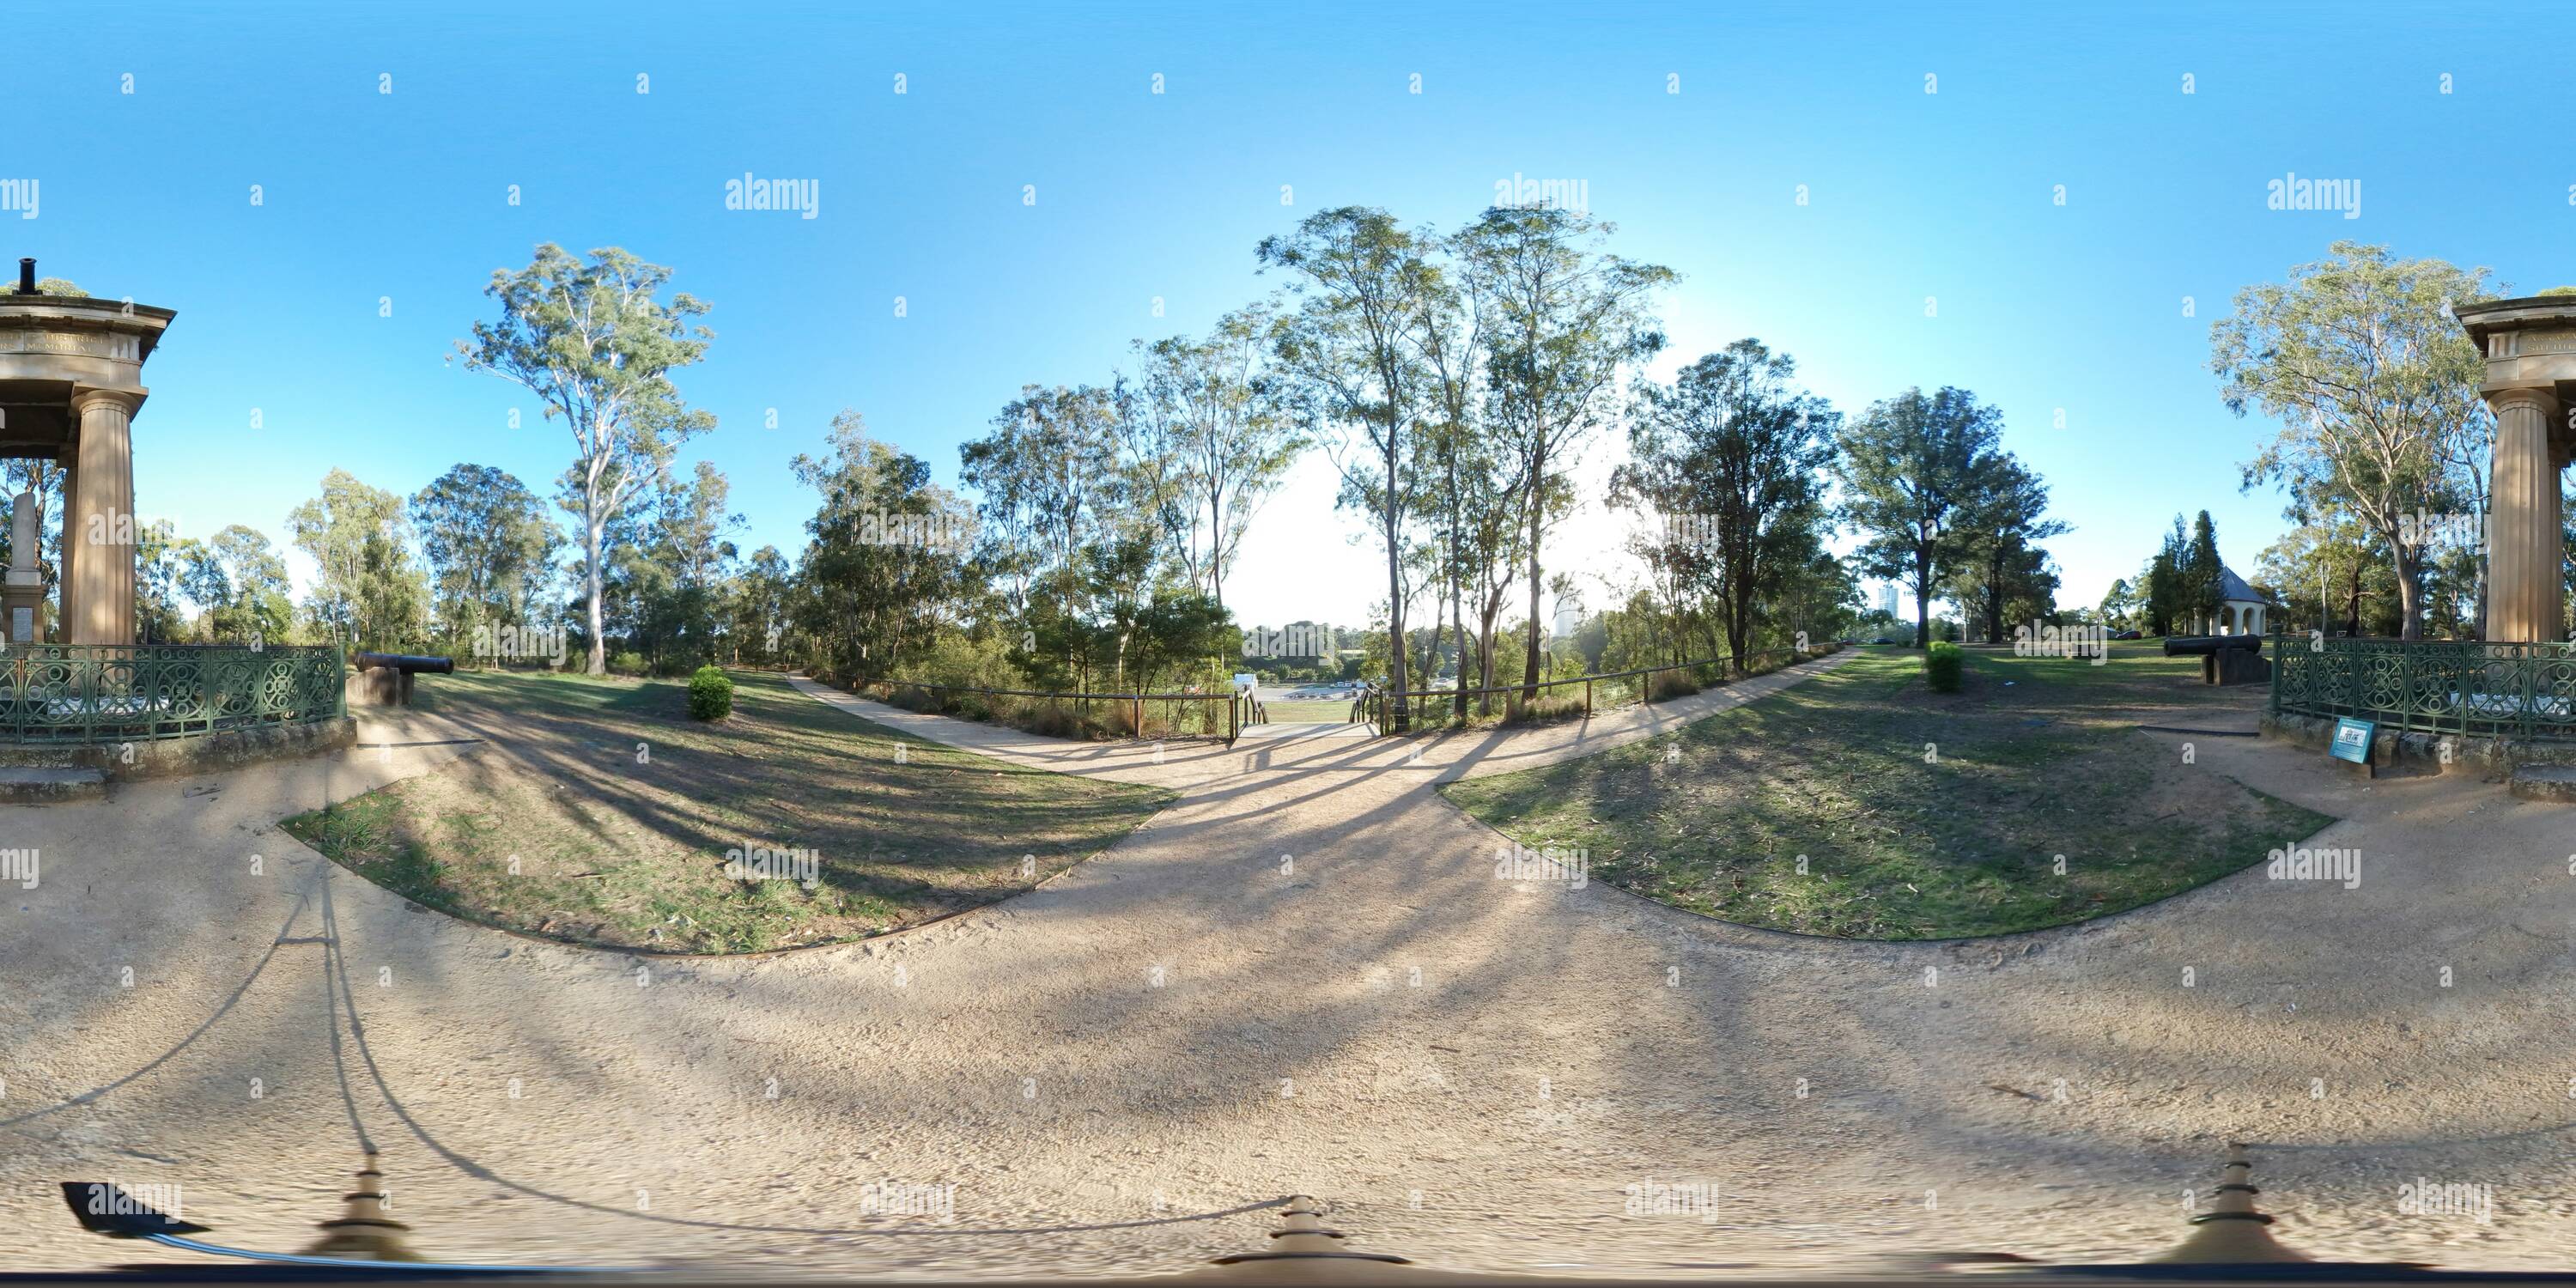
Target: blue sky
(370, 196)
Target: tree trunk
(1485, 644)
(2410, 590)
(1537, 501)
(1458, 617)
(1923, 600)
(591, 582)
(1995, 597)
(1399, 719)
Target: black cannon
(2224, 659)
(2204, 645)
(384, 679)
(407, 663)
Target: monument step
(50, 785)
(2544, 782)
(41, 756)
(45, 756)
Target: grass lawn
(2036, 757)
(558, 828)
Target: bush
(710, 693)
(1941, 666)
(1664, 686)
(913, 698)
(1045, 719)
(1546, 711)
(626, 664)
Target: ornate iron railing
(2465, 687)
(105, 693)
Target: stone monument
(22, 593)
(71, 381)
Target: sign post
(2352, 742)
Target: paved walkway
(1302, 976)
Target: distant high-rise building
(1887, 598)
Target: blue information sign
(2352, 740)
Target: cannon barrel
(2204, 645)
(406, 663)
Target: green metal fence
(105, 693)
(2465, 687)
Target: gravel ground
(1305, 976)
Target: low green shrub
(710, 693)
(1942, 664)
(629, 663)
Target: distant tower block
(364, 1232)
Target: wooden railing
(1603, 692)
(1129, 715)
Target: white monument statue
(25, 585)
(22, 541)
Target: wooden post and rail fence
(1224, 715)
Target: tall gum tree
(1568, 319)
(2375, 386)
(1730, 457)
(597, 347)
(1910, 469)
(1360, 281)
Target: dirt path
(1305, 976)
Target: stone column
(98, 599)
(2525, 547)
(64, 596)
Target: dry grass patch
(600, 813)
(1920, 815)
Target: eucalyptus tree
(1473, 496)
(488, 542)
(591, 340)
(368, 589)
(2000, 531)
(1361, 281)
(1209, 440)
(238, 583)
(1050, 488)
(1910, 470)
(1569, 319)
(756, 607)
(872, 604)
(680, 566)
(1730, 458)
(2375, 387)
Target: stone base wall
(201, 754)
(2483, 756)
